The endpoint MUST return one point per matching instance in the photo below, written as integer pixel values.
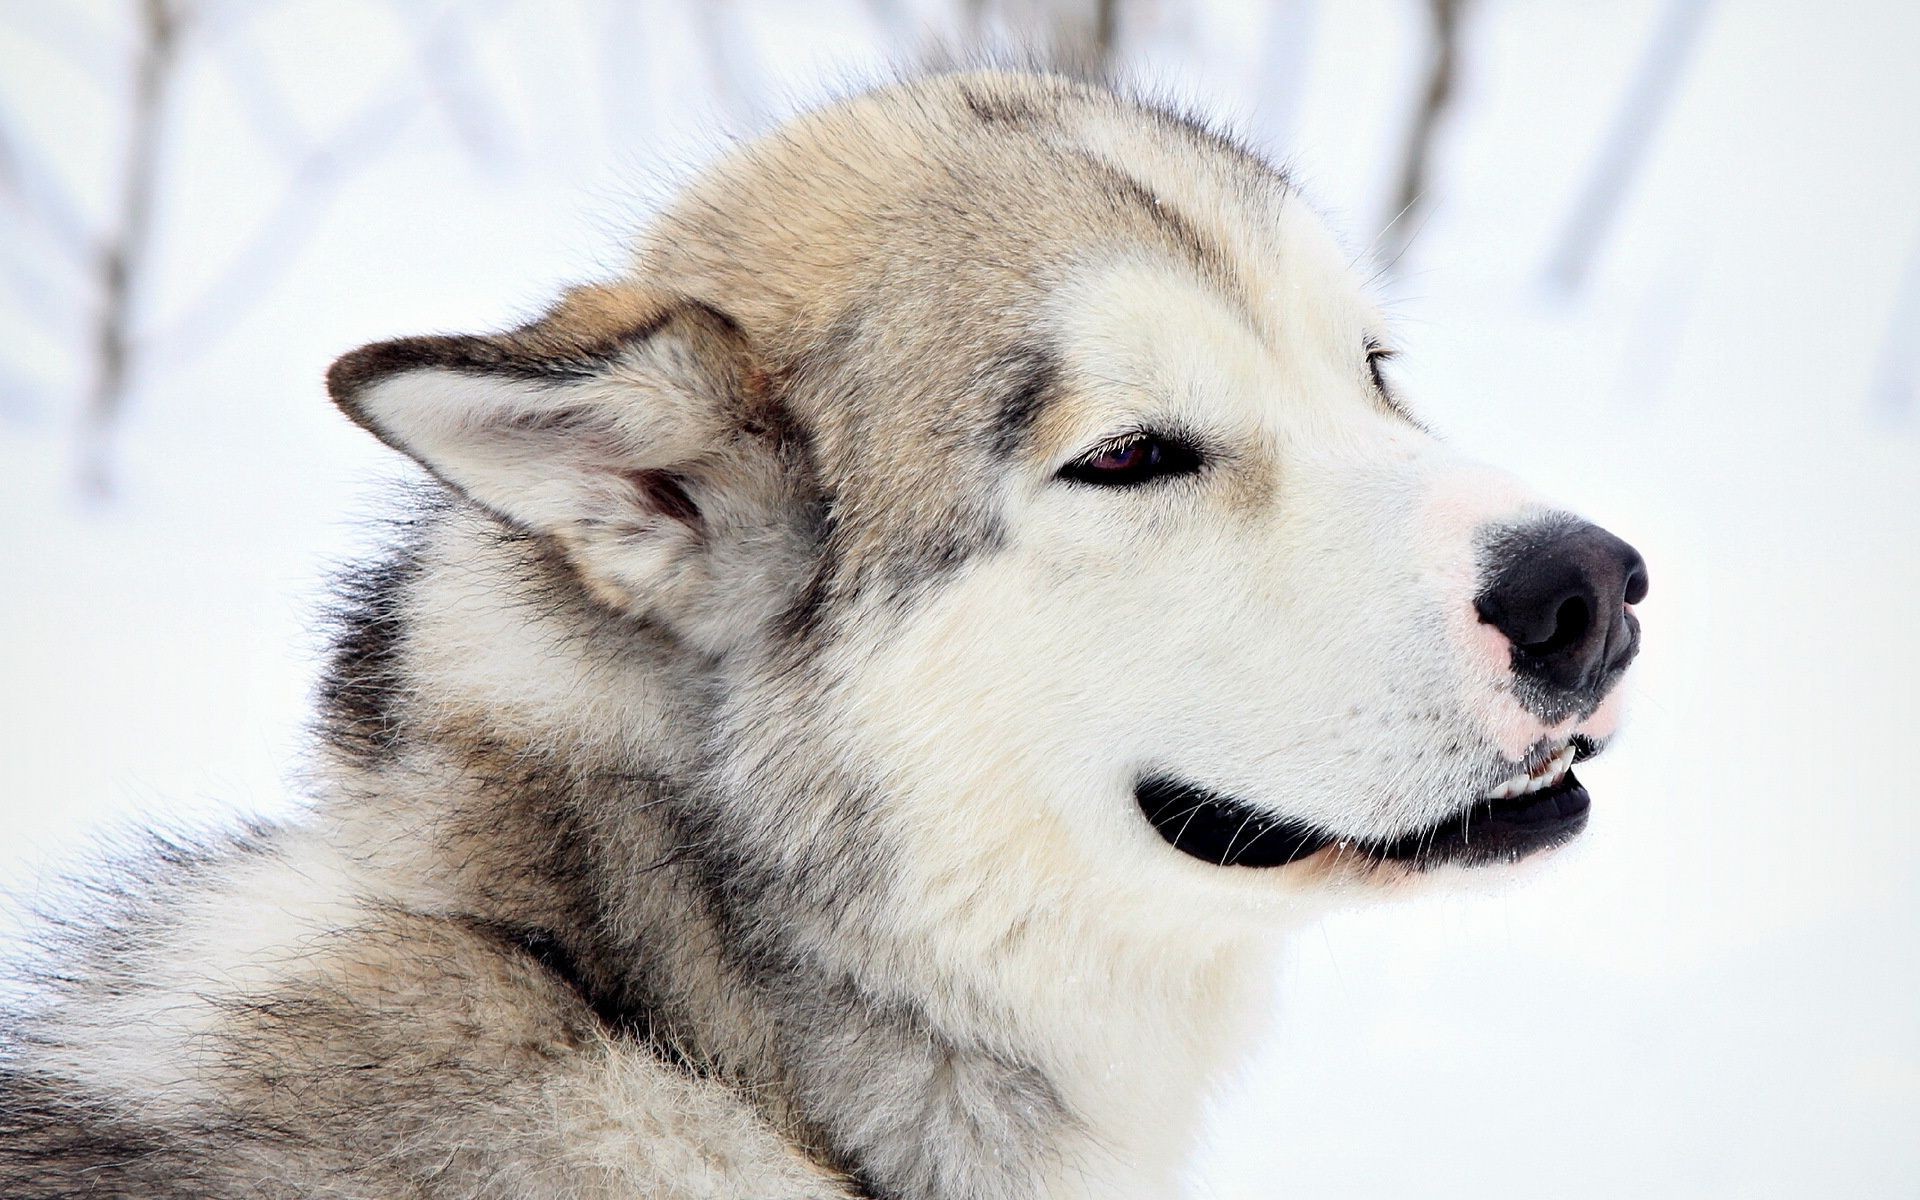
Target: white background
(1714, 995)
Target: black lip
(1223, 831)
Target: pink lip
(1515, 731)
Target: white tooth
(1515, 786)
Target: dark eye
(1133, 459)
(1377, 355)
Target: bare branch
(95, 48)
(310, 189)
(1080, 37)
(445, 58)
(1284, 66)
(1411, 191)
(123, 255)
(892, 19)
(631, 120)
(736, 77)
(1106, 32)
(274, 122)
(1896, 382)
(1646, 101)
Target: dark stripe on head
(1213, 262)
(1032, 376)
(1203, 132)
(998, 110)
(1197, 247)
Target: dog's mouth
(1536, 809)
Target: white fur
(1294, 627)
(1285, 650)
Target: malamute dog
(868, 690)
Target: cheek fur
(1605, 720)
(1460, 500)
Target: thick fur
(725, 784)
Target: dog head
(1024, 456)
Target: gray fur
(619, 916)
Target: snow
(1713, 995)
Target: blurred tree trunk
(1896, 382)
(123, 252)
(1647, 99)
(1284, 67)
(1079, 37)
(1416, 160)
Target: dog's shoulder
(254, 1014)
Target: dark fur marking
(625, 1014)
(666, 493)
(1197, 247)
(943, 551)
(556, 349)
(56, 1143)
(924, 1133)
(562, 421)
(1021, 380)
(533, 352)
(363, 689)
(1206, 133)
(1036, 374)
(804, 616)
(998, 110)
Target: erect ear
(628, 427)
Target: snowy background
(1717, 994)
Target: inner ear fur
(588, 328)
(699, 352)
(626, 424)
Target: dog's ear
(629, 428)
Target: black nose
(1559, 590)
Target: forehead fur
(972, 189)
(892, 258)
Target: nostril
(1570, 623)
(1561, 592)
(1637, 582)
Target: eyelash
(1377, 354)
(1137, 458)
(1112, 463)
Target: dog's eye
(1377, 355)
(1132, 460)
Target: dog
(857, 705)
